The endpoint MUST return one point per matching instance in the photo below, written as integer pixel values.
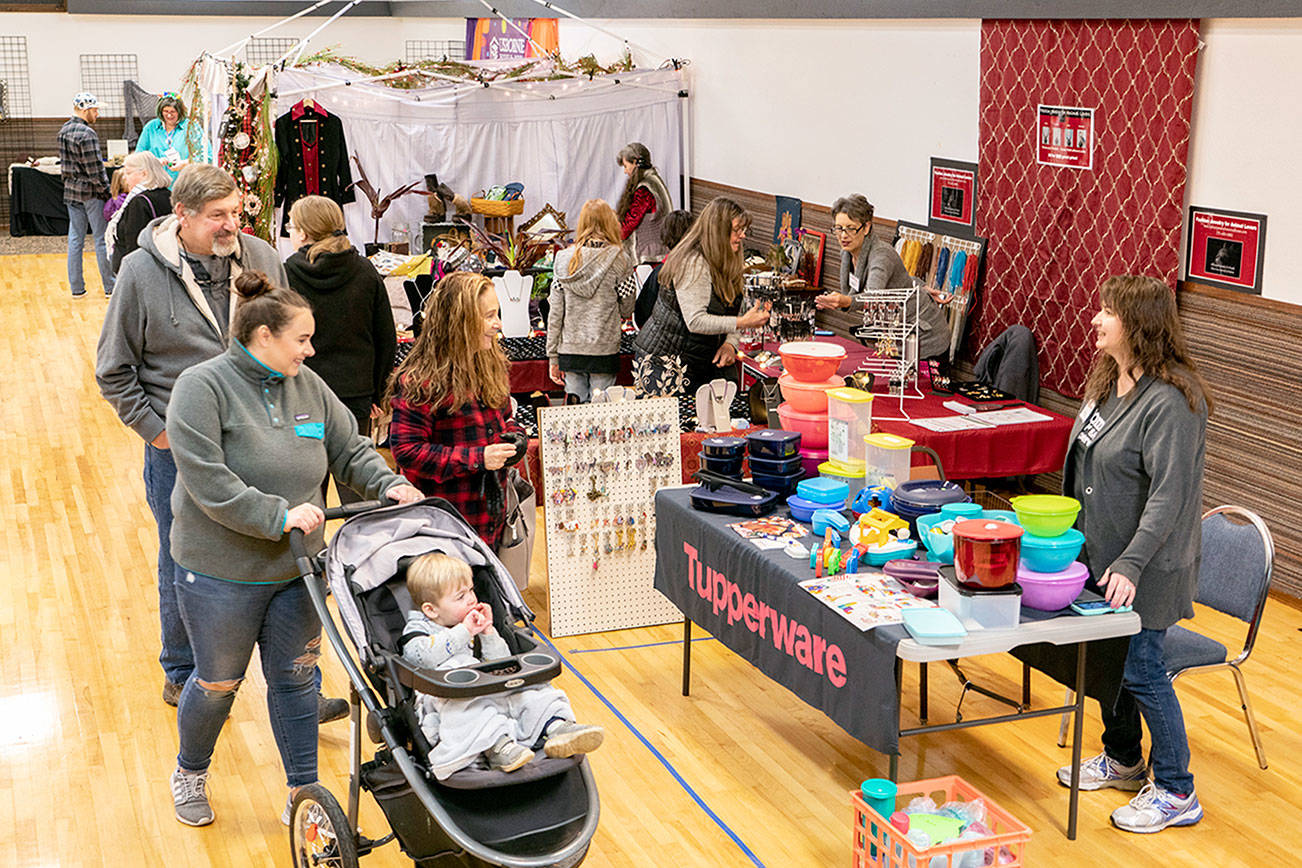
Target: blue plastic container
(961, 509)
(1001, 515)
(725, 466)
(940, 546)
(801, 509)
(1051, 554)
(825, 491)
(777, 466)
(723, 447)
(822, 519)
(895, 550)
(779, 482)
(773, 443)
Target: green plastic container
(1047, 515)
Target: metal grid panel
(15, 83)
(104, 75)
(435, 49)
(262, 51)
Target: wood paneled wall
(1247, 347)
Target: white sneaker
(507, 755)
(567, 738)
(1155, 808)
(190, 797)
(1102, 771)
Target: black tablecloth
(36, 203)
(766, 617)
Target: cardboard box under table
(750, 600)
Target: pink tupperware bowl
(808, 397)
(811, 361)
(812, 426)
(810, 459)
(1050, 592)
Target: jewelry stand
(513, 290)
(890, 327)
(601, 467)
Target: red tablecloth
(1008, 450)
(531, 376)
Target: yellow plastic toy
(874, 527)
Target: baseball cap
(85, 100)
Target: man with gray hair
(85, 190)
(171, 309)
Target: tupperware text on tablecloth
(789, 636)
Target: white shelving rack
(890, 330)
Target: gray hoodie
(587, 306)
(159, 323)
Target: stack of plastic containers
(723, 455)
(815, 494)
(811, 368)
(775, 459)
(1050, 576)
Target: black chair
(1238, 556)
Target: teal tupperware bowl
(1051, 554)
(899, 549)
(940, 545)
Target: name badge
(315, 430)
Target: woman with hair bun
(253, 434)
(644, 203)
(355, 339)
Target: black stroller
(541, 816)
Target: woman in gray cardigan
(254, 433)
(1136, 465)
(869, 263)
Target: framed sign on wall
(1065, 136)
(1225, 248)
(951, 195)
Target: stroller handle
(301, 559)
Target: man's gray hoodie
(159, 323)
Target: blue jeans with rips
(226, 619)
(160, 478)
(1148, 692)
(83, 216)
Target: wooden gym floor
(741, 773)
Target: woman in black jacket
(148, 197)
(355, 337)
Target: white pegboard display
(602, 465)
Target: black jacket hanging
(313, 158)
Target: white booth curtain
(558, 138)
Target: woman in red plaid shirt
(452, 433)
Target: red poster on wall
(1065, 136)
(952, 196)
(1226, 248)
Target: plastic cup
(879, 793)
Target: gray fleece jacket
(159, 323)
(878, 266)
(1139, 479)
(249, 443)
(588, 305)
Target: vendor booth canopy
(559, 137)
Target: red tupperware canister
(986, 553)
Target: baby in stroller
(449, 628)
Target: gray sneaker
(507, 755)
(190, 797)
(1102, 771)
(568, 738)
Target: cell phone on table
(1090, 603)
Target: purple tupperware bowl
(1050, 592)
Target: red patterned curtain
(1057, 233)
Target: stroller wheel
(319, 833)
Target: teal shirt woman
(167, 136)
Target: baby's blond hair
(432, 576)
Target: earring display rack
(934, 259)
(890, 330)
(601, 467)
(792, 316)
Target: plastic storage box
(773, 443)
(849, 420)
(852, 478)
(878, 843)
(887, 458)
(992, 609)
(829, 492)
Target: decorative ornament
(241, 141)
(252, 206)
(250, 173)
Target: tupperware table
(750, 600)
(1006, 450)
